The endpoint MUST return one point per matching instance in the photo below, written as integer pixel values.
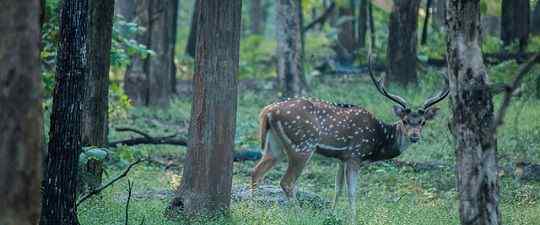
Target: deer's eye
(423, 122)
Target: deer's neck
(394, 141)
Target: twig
(130, 186)
(103, 187)
(148, 139)
(321, 19)
(520, 74)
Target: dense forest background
(120, 118)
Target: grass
(387, 194)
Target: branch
(103, 187)
(321, 19)
(489, 58)
(148, 139)
(130, 186)
(521, 72)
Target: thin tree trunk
(289, 51)
(95, 103)
(535, 20)
(472, 122)
(257, 14)
(346, 44)
(439, 15)
(173, 19)
(192, 38)
(60, 185)
(426, 22)
(371, 25)
(20, 113)
(148, 80)
(207, 176)
(401, 53)
(515, 22)
(362, 23)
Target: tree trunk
(472, 123)
(346, 44)
(173, 20)
(20, 113)
(426, 22)
(439, 15)
(289, 50)
(535, 20)
(257, 14)
(207, 176)
(148, 80)
(515, 22)
(371, 25)
(401, 51)
(60, 185)
(192, 38)
(95, 103)
(125, 8)
(362, 23)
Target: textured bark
(95, 103)
(362, 26)
(347, 42)
(192, 38)
(60, 183)
(401, 53)
(257, 14)
(20, 113)
(207, 176)
(515, 22)
(289, 50)
(535, 19)
(148, 80)
(472, 123)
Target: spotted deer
(296, 128)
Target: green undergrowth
(387, 194)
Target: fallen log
(174, 139)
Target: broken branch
(103, 187)
(174, 139)
(321, 19)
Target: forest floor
(387, 194)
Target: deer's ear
(399, 111)
(431, 113)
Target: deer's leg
(297, 162)
(271, 154)
(351, 174)
(339, 182)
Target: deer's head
(411, 120)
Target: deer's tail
(263, 125)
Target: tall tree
(401, 53)
(60, 183)
(515, 22)
(347, 42)
(95, 103)
(20, 113)
(362, 26)
(439, 15)
(192, 38)
(473, 117)
(148, 80)
(257, 14)
(535, 19)
(207, 175)
(289, 50)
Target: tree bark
(472, 123)
(257, 14)
(362, 23)
(192, 38)
(289, 50)
(60, 183)
(401, 53)
(207, 176)
(95, 103)
(20, 113)
(439, 15)
(515, 22)
(148, 80)
(426, 22)
(125, 8)
(535, 19)
(346, 44)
